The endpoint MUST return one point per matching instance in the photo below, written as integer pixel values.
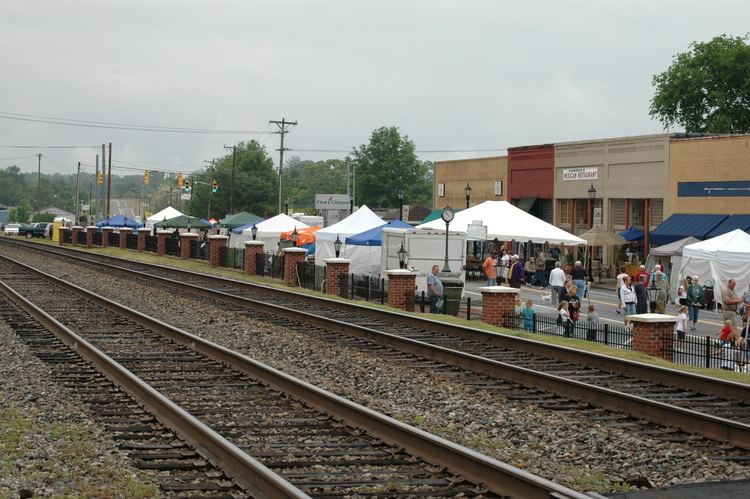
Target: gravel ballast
(582, 454)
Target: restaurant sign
(581, 173)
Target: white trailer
(424, 248)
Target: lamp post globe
(254, 230)
(401, 256)
(337, 246)
(295, 236)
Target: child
(592, 321)
(682, 321)
(563, 317)
(528, 316)
(518, 312)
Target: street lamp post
(467, 191)
(401, 256)
(447, 216)
(254, 230)
(592, 195)
(295, 236)
(286, 206)
(337, 246)
(401, 205)
(653, 295)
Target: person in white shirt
(682, 322)
(620, 282)
(557, 282)
(505, 265)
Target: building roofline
(469, 159)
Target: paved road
(605, 302)
(120, 207)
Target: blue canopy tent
(631, 234)
(119, 221)
(374, 236)
(238, 230)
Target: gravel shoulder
(584, 455)
(49, 442)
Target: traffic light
(145, 178)
(100, 179)
(187, 187)
(214, 187)
(179, 180)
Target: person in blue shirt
(434, 289)
(528, 315)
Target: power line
(51, 147)
(119, 126)
(19, 157)
(419, 151)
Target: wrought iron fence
(114, 239)
(233, 258)
(151, 243)
(368, 288)
(131, 241)
(172, 246)
(66, 236)
(97, 238)
(310, 276)
(708, 352)
(198, 249)
(614, 335)
(82, 237)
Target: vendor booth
(670, 256)
(718, 260)
(269, 231)
(361, 220)
(119, 221)
(364, 249)
(164, 214)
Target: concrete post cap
(498, 289)
(164, 232)
(397, 272)
(91, 227)
(77, 227)
(651, 318)
(338, 260)
(218, 237)
(122, 229)
(255, 243)
(144, 229)
(63, 228)
(108, 228)
(294, 250)
(190, 234)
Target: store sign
(581, 173)
(331, 201)
(476, 231)
(498, 187)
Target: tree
(706, 89)
(21, 213)
(386, 165)
(255, 189)
(305, 179)
(43, 217)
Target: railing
(114, 239)
(82, 237)
(131, 241)
(223, 256)
(198, 249)
(234, 258)
(368, 288)
(97, 239)
(708, 352)
(614, 335)
(66, 236)
(152, 243)
(172, 246)
(310, 276)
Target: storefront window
(563, 213)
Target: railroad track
(275, 436)
(716, 409)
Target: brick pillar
(90, 235)
(335, 268)
(161, 242)
(653, 334)
(498, 305)
(61, 233)
(214, 243)
(106, 231)
(252, 250)
(292, 256)
(124, 233)
(402, 285)
(74, 234)
(142, 233)
(185, 244)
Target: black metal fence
(97, 239)
(66, 236)
(131, 241)
(708, 352)
(233, 258)
(614, 335)
(82, 237)
(310, 276)
(114, 239)
(172, 246)
(368, 288)
(151, 243)
(199, 250)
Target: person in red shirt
(726, 331)
(642, 271)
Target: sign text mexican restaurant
(581, 173)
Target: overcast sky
(451, 74)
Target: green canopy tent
(238, 220)
(182, 222)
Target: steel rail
(497, 476)
(663, 375)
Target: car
(38, 229)
(12, 229)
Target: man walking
(729, 302)
(515, 275)
(540, 264)
(557, 282)
(490, 269)
(434, 289)
(578, 274)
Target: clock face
(447, 214)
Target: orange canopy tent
(305, 236)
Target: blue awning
(733, 222)
(374, 236)
(682, 225)
(632, 234)
(119, 221)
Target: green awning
(435, 214)
(238, 220)
(182, 222)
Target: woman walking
(694, 300)
(628, 297)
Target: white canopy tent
(361, 220)
(165, 214)
(671, 256)
(507, 223)
(719, 259)
(269, 231)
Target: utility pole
(283, 130)
(78, 190)
(210, 187)
(231, 182)
(96, 176)
(39, 184)
(91, 193)
(109, 181)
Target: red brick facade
(252, 250)
(161, 242)
(654, 337)
(498, 305)
(335, 268)
(74, 234)
(124, 233)
(142, 233)
(185, 244)
(106, 231)
(292, 256)
(214, 243)
(90, 236)
(401, 289)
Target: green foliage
(12, 186)
(304, 179)
(21, 213)
(43, 217)
(255, 189)
(707, 89)
(386, 165)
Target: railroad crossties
(572, 439)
